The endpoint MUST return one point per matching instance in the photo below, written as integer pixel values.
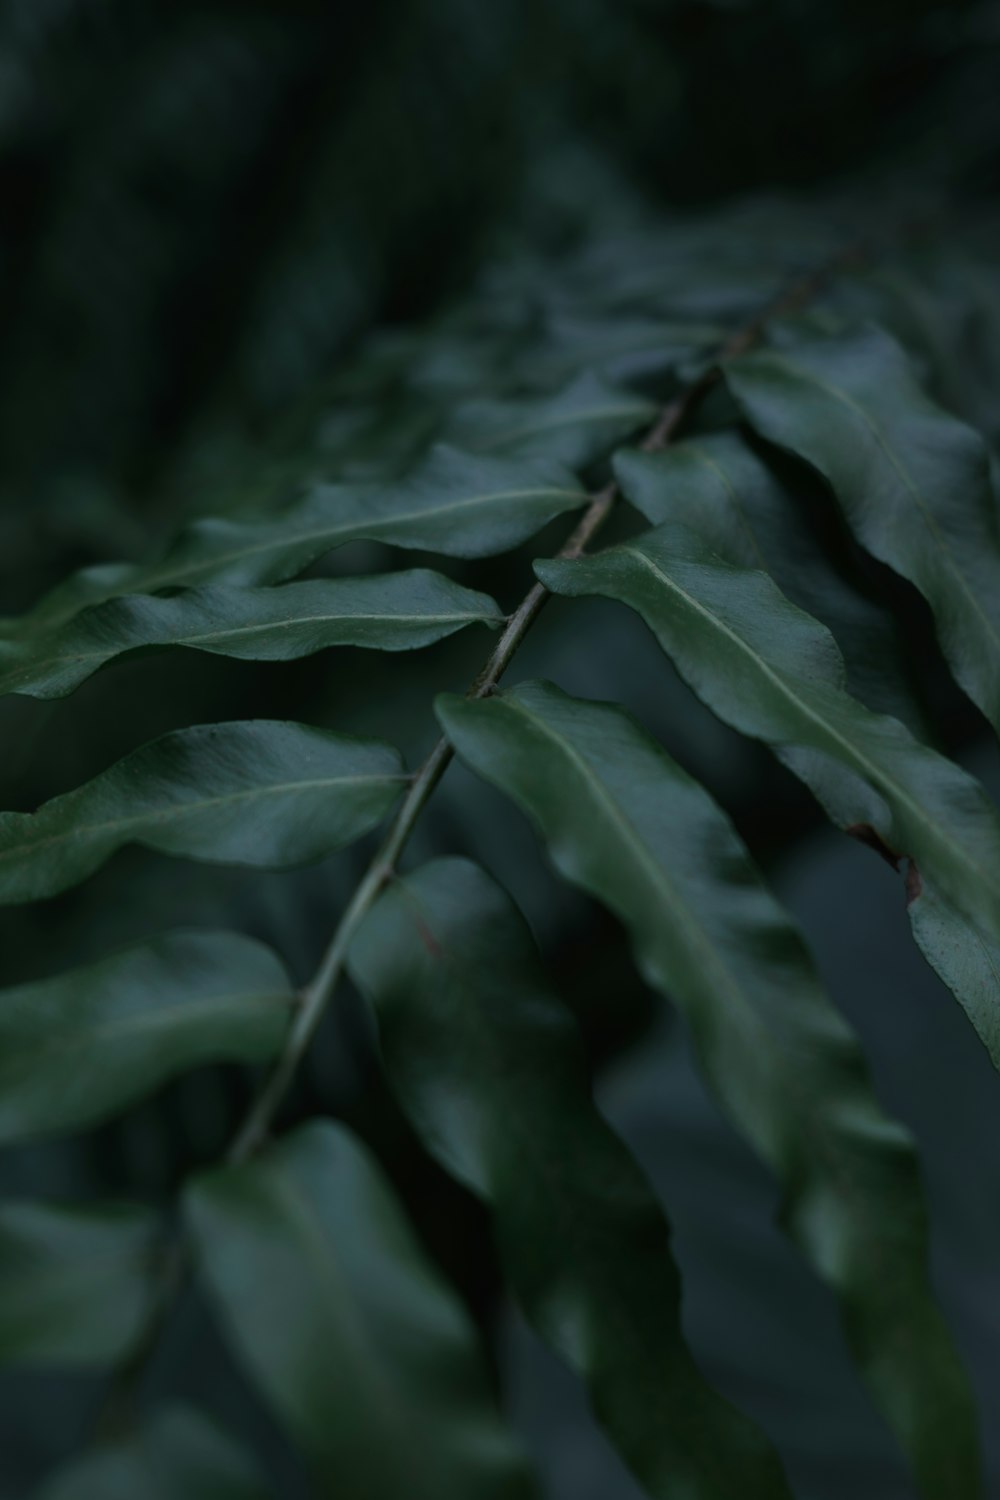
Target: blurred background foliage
(249, 244)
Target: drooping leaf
(258, 793)
(488, 1064)
(351, 1336)
(574, 427)
(913, 481)
(80, 1047)
(458, 504)
(962, 957)
(623, 821)
(773, 672)
(75, 1280)
(387, 612)
(720, 487)
(178, 1455)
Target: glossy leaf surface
(455, 503)
(488, 1065)
(352, 1337)
(623, 821)
(84, 1045)
(774, 672)
(389, 612)
(258, 793)
(913, 482)
(724, 490)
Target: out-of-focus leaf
(773, 672)
(459, 504)
(387, 612)
(966, 960)
(84, 1045)
(913, 481)
(75, 1280)
(178, 1455)
(488, 1064)
(618, 348)
(348, 1331)
(575, 427)
(623, 821)
(256, 793)
(720, 487)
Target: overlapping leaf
(774, 672)
(913, 482)
(459, 504)
(387, 612)
(258, 793)
(354, 1340)
(488, 1065)
(627, 824)
(574, 427)
(80, 1047)
(178, 1455)
(75, 1280)
(723, 489)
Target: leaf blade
(84, 1045)
(913, 481)
(308, 1237)
(722, 489)
(575, 427)
(75, 1281)
(458, 504)
(391, 612)
(773, 672)
(257, 792)
(488, 1065)
(628, 825)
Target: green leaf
(725, 492)
(575, 427)
(617, 348)
(459, 504)
(623, 821)
(488, 1065)
(966, 961)
(720, 487)
(255, 793)
(350, 1334)
(774, 672)
(84, 1045)
(387, 612)
(913, 482)
(75, 1281)
(176, 1456)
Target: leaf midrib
(358, 530)
(260, 627)
(878, 777)
(640, 849)
(184, 809)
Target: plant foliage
(773, 456)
